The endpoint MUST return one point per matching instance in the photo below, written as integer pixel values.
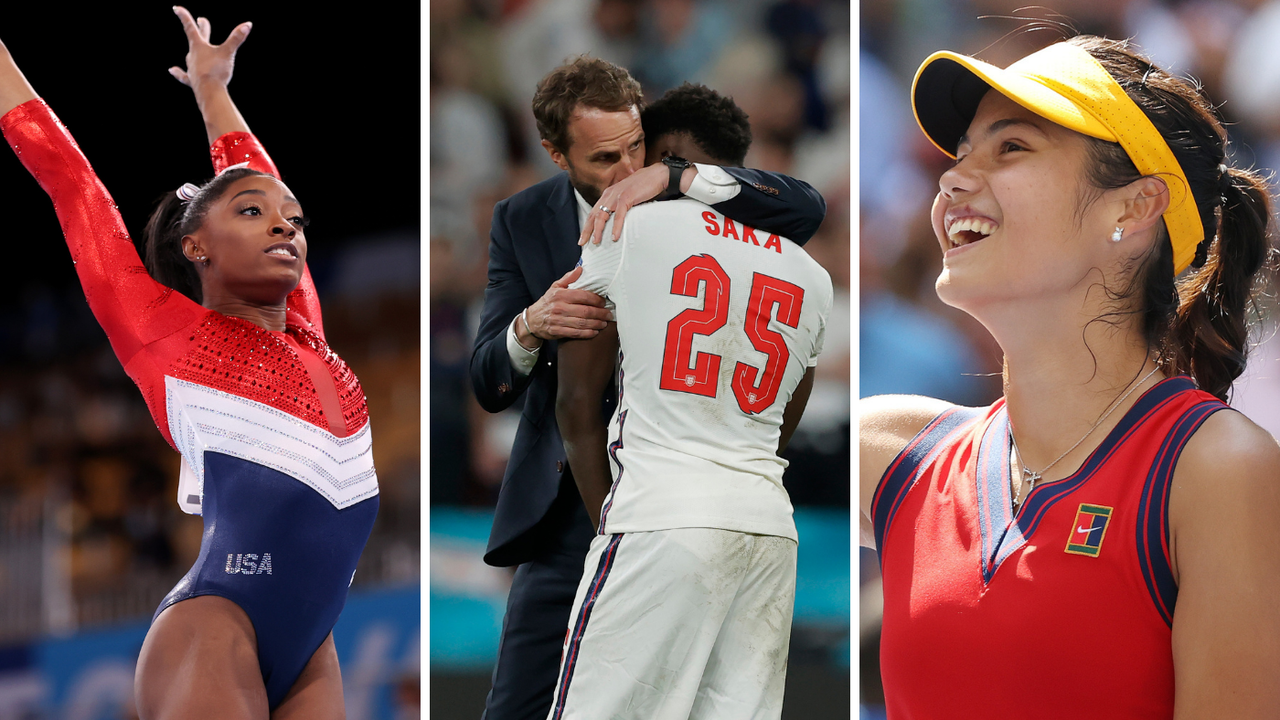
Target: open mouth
(966, 231)
(283, 250)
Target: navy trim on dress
(1043, 497)
(903, 471)
(1153, 512)
(1046, 496)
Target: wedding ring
(606, 210)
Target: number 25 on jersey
(685, 371)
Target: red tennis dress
(1062, 611)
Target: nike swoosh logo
(1086, 530)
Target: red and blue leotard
(1062, 611)
(273, 427)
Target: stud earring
(1118, 235)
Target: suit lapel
(561, 229)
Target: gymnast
(219, 325)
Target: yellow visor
(1066, 85)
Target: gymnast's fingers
(188, 24)
(237, 37)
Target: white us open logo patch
(248, 564)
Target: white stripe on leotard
(201, 418)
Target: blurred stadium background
(91, 537)
(909, 341)
(787, 63)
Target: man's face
(679, 144)
(604, 147)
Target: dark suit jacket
(533, 242)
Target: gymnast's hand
(207, 63)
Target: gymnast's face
(1014, 217)
(252, 237)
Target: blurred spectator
(679, 41)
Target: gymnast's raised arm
(14, 88)
(208, 73)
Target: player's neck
(1058, 383)
(269, 316)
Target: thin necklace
(1031, 476)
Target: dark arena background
(91, 537)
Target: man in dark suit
(588, 116)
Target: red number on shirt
(700, 377)
(755, 389)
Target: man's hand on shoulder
(562, 312)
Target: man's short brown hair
(585, 81)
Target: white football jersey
(718, 323)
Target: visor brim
(949, 86)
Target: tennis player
(1101, 542)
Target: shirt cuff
(712, 185)
(522, 359)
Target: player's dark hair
(161, 246)
(586, 81)
(715, 122)
(1198, 321)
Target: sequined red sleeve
(132, 308)
(241, 148)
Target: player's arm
(766, 201)
(794, 409)
(886, 423)
(504, 358)
(1224, 545)
(208, 72)
(14, 88)
(585, 368)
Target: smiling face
(604, 147)
(1015, 217)
(252, 237)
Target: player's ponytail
(173, 218)
(1197, 324)
(1209, 339)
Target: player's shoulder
(1229, 455)
(886, 423)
